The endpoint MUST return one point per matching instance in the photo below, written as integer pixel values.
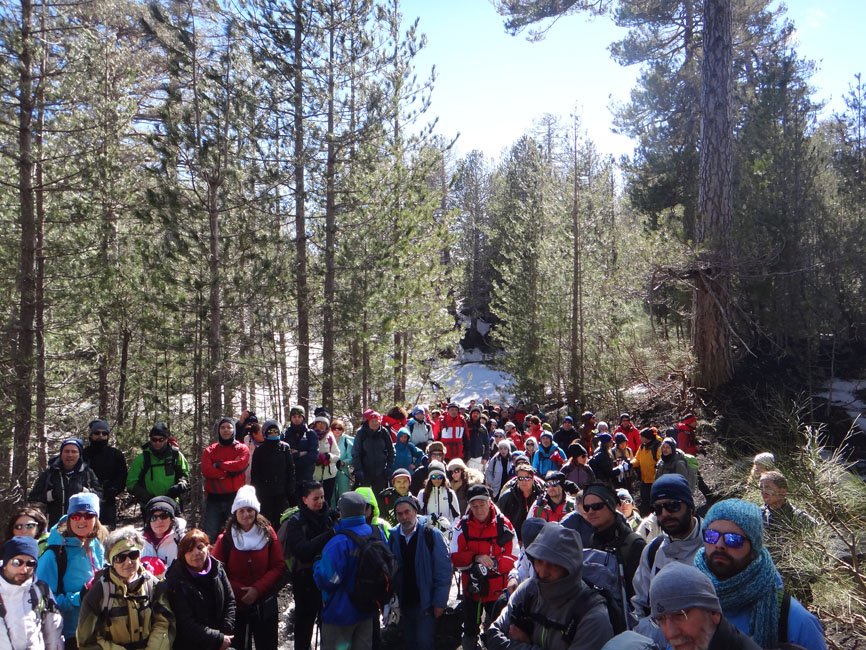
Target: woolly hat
(412, 501)
(546, 434)
(546, 426)
(510, 425)
(647, 433)
(297, 409)
(587, 415)
(504, 444)
(270, 424)
(672, 486)
(745, 514)
(620, 437)
(604, 437)
(475, 408)
(436, 445)
(99, 425)
(690, 421)
(765, 459)
(83, 502)
(246, 498)
(435, 466)
(323, 420)
(418, 409)
(680, 586)
(453, 405)
(321, 410)
(530, 529)
(532, 438)
(624, 416)
(477, 492)
(20, 545)
(576, 449)
(160, 429)
(73, 441)
(602, 426)
(401, 471)
(670, 441)
(604, 493)
(166, 504)
(371, 413)
(352, 504)
(498, 433)
(568, 418)
(554, 475)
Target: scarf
(754, 587)
(252, 540)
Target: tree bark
(25, 283)
(330, 236)
(711, 330)
(574, 357)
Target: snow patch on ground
(843, 393)
(472, 355)
(476, 381)
(483, 326)
(634, 391)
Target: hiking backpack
(603, 573)
(375, 573)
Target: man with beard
(29, 613)
(687, 610)
(110, 468)
(672, 502)
(554, 609)
(746, 581)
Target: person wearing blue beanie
(746, 581)
(67, 473)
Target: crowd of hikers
(579, 537)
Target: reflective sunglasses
(732, 540)
(78, 516)
(553, 483)
(524, 478)
(30, 525)
(437, 477)
(626, 501)
(594, 506)
(670, 506)
(456, 470)
(17, 562)
(160, 515)
(120, 558)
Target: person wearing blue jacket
(549, 455)
(343, 626)
(406, 455)
(76, 541)
(424, 574)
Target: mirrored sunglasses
(437, 477)
(670, 506)
(732, 540)
(553, 483)
(17, 562)
(78, 516)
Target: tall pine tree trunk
(41, 388)
(330, 236)
(300, 215)
(25, 283)
(575, 360)
(711, 328)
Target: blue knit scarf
(754, 587)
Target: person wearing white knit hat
(253, 560)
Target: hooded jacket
(441, 502)
(108, 464)
(632, 434)
(372, 453)
(273, 467)
(646, 457)
(498, 471)
(164, 548)
(420, 433)
(545, 460)
(371, 499)
(328, 455)
(224, 466)
(55, 485)
(675, 463)
(82, 563)
(406, 453)
(35, 626)
(549, 608)
(451, 433)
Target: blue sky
(491, 86)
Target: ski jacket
(451, 433)
(304, 444)
(261, 568)
(372, 453)
(483, 538)
(30, 617)
(224, 467)
(432, 564)
(203, 605)
(55, 485)
(151, 474)
(328, 455)
(545, 460)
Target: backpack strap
(784, 612)
(228, 545)
(59, 551)
(653, 549)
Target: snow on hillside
(846, 394)
(476, 381)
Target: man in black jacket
(110, 467)
(688, 612)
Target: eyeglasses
(30, 525)
(594, 506)
(160, 515)
(732, 540)
(437, 477)
(99, 433)
(524, 478)
(553, 483)
(670, 506)
(17, 562)
(78, 516)
(158, 439)
(677, 618)
(120, 558)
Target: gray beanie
(352, 504)
(680, 586)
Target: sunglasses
(670, 506)
(28, 526)
(160, 439)
(732, 540)
(626, 501)
(99, 433)
(677, 618)
(553, 483)
(160, 515)
(337, 428)
(17, 562)
(456, 471)
(594, 506)
(78, 516)
(524, 478)
(437, 477)
(120, 558)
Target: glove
(340, 464)
(324, 460)
(175, 491)
(217, 464)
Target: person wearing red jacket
(631, 432)
(254, 563)
(484, 549)
(687, 441)
(452, 428)
(223, 464)
(514, 435)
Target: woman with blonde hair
(462, 478)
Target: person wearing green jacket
(159, 470)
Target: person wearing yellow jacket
(646, 457)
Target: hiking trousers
(348, 637)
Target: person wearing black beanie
(109, 465)
(223, 464)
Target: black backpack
(374, 576)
